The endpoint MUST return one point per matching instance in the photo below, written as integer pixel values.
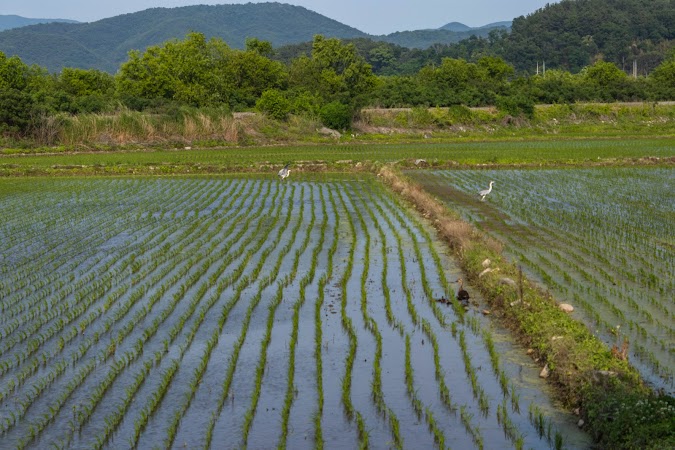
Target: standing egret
(283, 173)
(485, 192)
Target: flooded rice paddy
(601, 239)
(233, 312)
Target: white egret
(485, 192)
(283, 173)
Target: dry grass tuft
(457, 233)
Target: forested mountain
(568, 35)
(385, 58)
(8, 22)
(426, 38)
(456, 26)
(104, 44)
(572, 34)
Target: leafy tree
(81, 82)
(662, 80)
(556, 86)
(19, 99)
(198, 73)
(273, 103)
(14, 74)
(603, 74)
(263, 48)
(335, 72)
(17, 110)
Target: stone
(486, 271)
(486, 312)
(566, 307)
(486, 262)
(529, 351)
(508, 282)
(545, 372)
(580, 423)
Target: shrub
(16, 111)
(516, 105)
(273, 103)
(623, 419)
(336, 115)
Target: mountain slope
(7, 22)
(105, 44)
(422, 39)
(572, 34)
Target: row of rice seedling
(203, 287)
(234, 357)
(371, 325)
(188, 324)
(350, 411)
(222, 284)
(79, 351)
(243, 282)
(309, 277)
(484, 402)
(444, 393)
(594, 237)
(318, 308)
(107, 323)
(211, 342)
(273, 306)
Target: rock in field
(566, 307)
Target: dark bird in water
(285, 172)
(462, 294)
(443, 300)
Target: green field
(342, 157)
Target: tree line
(332, 83)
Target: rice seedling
(112, 333)
(597, 252)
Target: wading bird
(283, 173)
(485, 192)
(462, 295)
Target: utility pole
(635, 68)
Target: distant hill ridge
(104, 44)
(7, 22)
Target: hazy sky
(370, 16)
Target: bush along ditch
(615, 406)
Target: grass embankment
(618, 409)
(218, 128)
